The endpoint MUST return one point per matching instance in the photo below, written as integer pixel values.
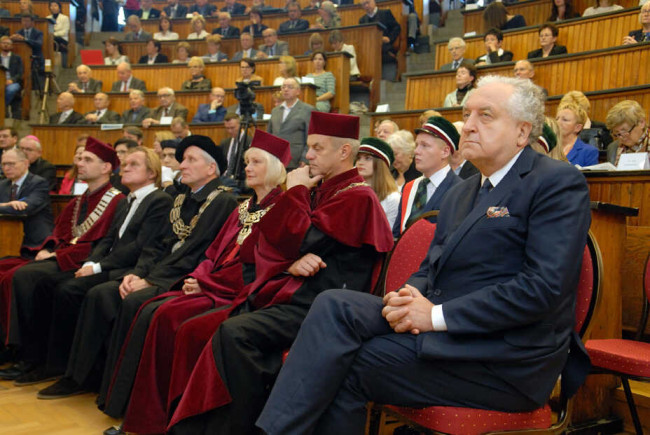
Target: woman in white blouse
(601, 7)
(60, 28)
(113, 52)
(165, 34)
(198, 25)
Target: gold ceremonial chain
(181, 230)
(80, 230)
(363, 183)
(247, 219)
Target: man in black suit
(390, 27)
(136, 226)
(66, 113)
(232, 122)
(294, 23)
(234, 8)
(174, 9)
(138, 111)
(101, 114)
(32, 148)
(225, 29)
(34, 38)
(147, 11)
(153, 54)
(25, 194)
(85, 83)
(14, 70)
(126, 81)
(487, 322)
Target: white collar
(439, 175)
(19, 182)
(142, 192)
(498, 175)
(284, 105)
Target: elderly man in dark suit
(225, 29)
(174, 9)
(126, 81)
(33, 149)
(25, 194)
(247, 50)
(138, 111)
(389, 24)
(14, 70)
(147, 11)
(214, 110)
(85, 83)
(294, 23)
(272, 47)
(101, 114)
(487, 321)
(232, 123)
(168, 108)
(435, 143)
(290, 121)
(66, 113)
(136, 33)
(456, 47)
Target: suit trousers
(346, 355)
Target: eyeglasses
(623, 133)
(164, 95)
(8, 164)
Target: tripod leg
(46, 88)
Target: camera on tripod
(245, 95)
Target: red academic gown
(70, 253)
(343, 208)
(220, 277)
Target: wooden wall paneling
(583, 34)
(224, 74)
(11, 234)
(119, 102)
(41, 8)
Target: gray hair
(526, 104)
(20, 154)
(403, 141)
(460, 41)
(210, 160)
(136, 92)
(33, 139)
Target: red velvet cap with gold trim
(334, 124)
(272, 144)
(102, 150)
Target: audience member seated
(165, 32)
(170, 166)
(166, 110)
(435, 142)
(290, 121)
(256, 27)
(389, 25)
(328, 17)
(643, 34)
(101, 114)
(198, 80)
(581, 100)
(494, 53)
(232, 123)
(247, 69)
(324, 80)
(629, 126)
(523, 69)
(147, 11)
(179, 128)
(25, 7)
(550, 134)
(496, 16)
(571, 118)
(403, 146)
(272, 47)
(31, 146)
(548, 34)
(465, 83)
(126, 81)
(174, 10)
(136, 32)
(202, 8)
(66, 113)
(234, 8)
(85, 83)
(374, 160)
(246, 42)
(153, 54)
(59, 29)
(197, 24)
(456, 47)
(183, 52)
(138, 112)
(134, 134)
(601, 7)
(316, 43)
(70, 184)
(25, 194)
(14, 70)
(385, 128)
(562, 10)
(337, 44)
(113, 52)
(8, 139)
(214, 110)
(424, 117)
(158, 138)
(288, 68)
(294, 23)
(225, 30)
(214, 54)
(122, 147)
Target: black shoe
(15, 371)
(114, 430)
(64, 387)
(35, 376)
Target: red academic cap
(102, 150)
(334, 124)
(272, 144)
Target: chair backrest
(92, 57)
(588, 291)
(410, 250)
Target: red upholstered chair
(628, 359)
(469, 421)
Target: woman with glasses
(643, 34)
(247, 68)
(198, 82)
(627, 123)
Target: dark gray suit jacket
(176, 110)
(94, 86)
(74, 118)
(294, 129)
(144, 36)
(240, 54)
(109, 117)
(131, 117)
(135, 84)
(281, 49)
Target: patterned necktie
(646, 37)
(455, 65)
(14, 191)
(420, 199)
(165, 111)
(271, 51)
(85, 86)
(483, 191)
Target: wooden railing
(160, 4)
(11, 235)
(224, 74)
(119, 102)
(588, 71)
(580, 34)
(367, 42)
